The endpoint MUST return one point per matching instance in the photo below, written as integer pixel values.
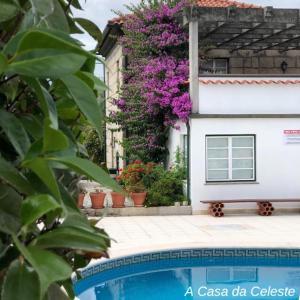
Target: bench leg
(216, 209)
(265, 208)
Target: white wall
(278, 163)
(249, 98)
(113, 76)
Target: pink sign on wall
(292, 136)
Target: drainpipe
(104, 107)
(188, 163)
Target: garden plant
(48, 93)
(154, 95)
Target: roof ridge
(202, 3)
(225, 3)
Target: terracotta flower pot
(138, 199)
(80, 200)
(118, 200)
(97, 200)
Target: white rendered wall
(175, 140)
(277, 163)
(113, 63)
(249, 98)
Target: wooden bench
(265, 207)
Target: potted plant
(80, 200)
(132, 179)
(97, 199)
(118, 199)
(138, 194)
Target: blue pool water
(192, 274)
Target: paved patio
(142, 234)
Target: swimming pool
(195, 274)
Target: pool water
(195, 274)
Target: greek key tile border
(188, 253)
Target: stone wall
(265, 62)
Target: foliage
(167, 190)
(154, 95)
(47, 95)
(95, 145)
(180, 165)
(132, 176)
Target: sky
(100, 11)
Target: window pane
(242, 142)
(217, 175)
(242, 163)
(240, 153)
(217, 153)
(221, 63)
(217, 164)
(242, 174)
(217, 142)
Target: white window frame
(214, 69)
(230, 158)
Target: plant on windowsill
(132, 178)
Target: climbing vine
(154, 95)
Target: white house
(244, 133)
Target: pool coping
(184, 253)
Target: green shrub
(166, 190)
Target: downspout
(105, 123)
(188, 171)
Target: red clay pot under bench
(80, 200)
(118, 200)
(97, 200)
(138, 199)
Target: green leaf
(34, 207)
(11, 175)
(76, 4)
(49, 266)
(15, 132)
(21, 282)
(99, 85)
(91, 28)
(73, 238)
(57, 19)
(33, 126)
(50, 39)
(8, 10)
(42, 7)
(11, 47)
(47, 103)
(10, 206)
(85, 99)
(54, 139)
(55, 292)
(89, 169)
(3, 63)
(41, 168)
(48, 66)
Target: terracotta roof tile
(224, 3)
(202, 3)
(117, 20)
(248, 81)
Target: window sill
(231, 182)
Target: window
(230, 158)
(118, 74)
(214, 66)
(231, 275)
(107, 84)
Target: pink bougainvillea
(164, 86)
(154, 95)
